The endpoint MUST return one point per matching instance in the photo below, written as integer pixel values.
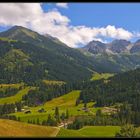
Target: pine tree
(43, 122)
(125, 113)
(98, 113)
(67, 114)
(127, 131)
(57, 114)
(38, 121)
(77, 102)
(33, 121)
(63, 116)
(18, 119)
(85, 105)
(49, 120)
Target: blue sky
(126, 15)
(113, 17)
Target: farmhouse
(15, 109)
(27, 112)
(22, 109)
(41, 110)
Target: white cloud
(54, 23)
(20, 14)
(119, 33)
(62, 5)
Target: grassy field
(11, 85)
(9, 128)
(3, 87)
(17, 97)
(52, 82)
(64, 102)
(90, 131)
(98, 76)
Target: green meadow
(90, 131)
(17, 97)
(98, 76)
(64, 102)
(53, 82)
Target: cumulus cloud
(20, 14)
(52, 22)
(62, 5)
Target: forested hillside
(27, 56)
(120, 89)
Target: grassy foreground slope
(9, 128)
(17, 97)
(90, 131)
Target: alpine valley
(48, 89)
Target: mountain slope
(28, 56)
(26, 35)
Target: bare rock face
(136, 47)
(118, 46)
(95, 47)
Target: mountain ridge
(117, 46)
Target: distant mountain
(136, 47)
(115, 47)
(117, 56)
(118, 46)
(95, 47)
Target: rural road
(62, 125)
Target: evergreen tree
(98, 113)
(29, 121)
(125, 113)
(38, 121)
(77, 102)
(85, 105)
(63, 116)
(44, 122)
(33, 122)
(49, 120)
(57, 114)
(19, 106)
(18, 118)
(127, 131)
